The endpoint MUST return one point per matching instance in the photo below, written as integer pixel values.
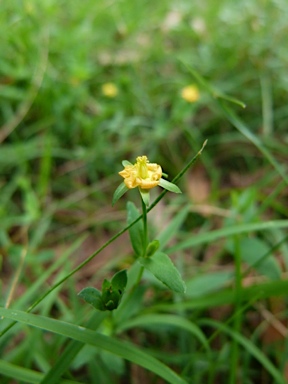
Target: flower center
(142, 167)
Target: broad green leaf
(92, 296)
(118, 347)
(161, 266)
(136, 232)
(121, 189)
(169, 186)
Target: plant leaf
(107, 343)
(119, 281)
(121, 189)
(169, 186)
(92, 296)
(125, 163)
(112, 292)
(110, 296)
(161, 266)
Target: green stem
(139, 277)
(145, 230)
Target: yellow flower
(190, 93)
(142, 174)
(109, 90)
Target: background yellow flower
(190, 93)
(109, 90)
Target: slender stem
(139, 277)
(145, 230)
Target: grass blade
(62, 364)
(26, 375)
(171, 320)
(87, 336)
(226, 232)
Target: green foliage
(161, 266)
(119, 192)
(169, 186)
(62, 141)
(94, 297)
(96, 339)
(111, 295)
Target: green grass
(62, 143)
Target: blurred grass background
(63, 139)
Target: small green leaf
(169, 186)
(110, 297)
(152, 248)
(112, 292)
(136, 232)
(92, 296)
(125, 163)
(145, 194)
(119, 281)
(121, 189)
(106, 285)
(161, 266)
(112, 303)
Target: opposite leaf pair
(112, 292)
